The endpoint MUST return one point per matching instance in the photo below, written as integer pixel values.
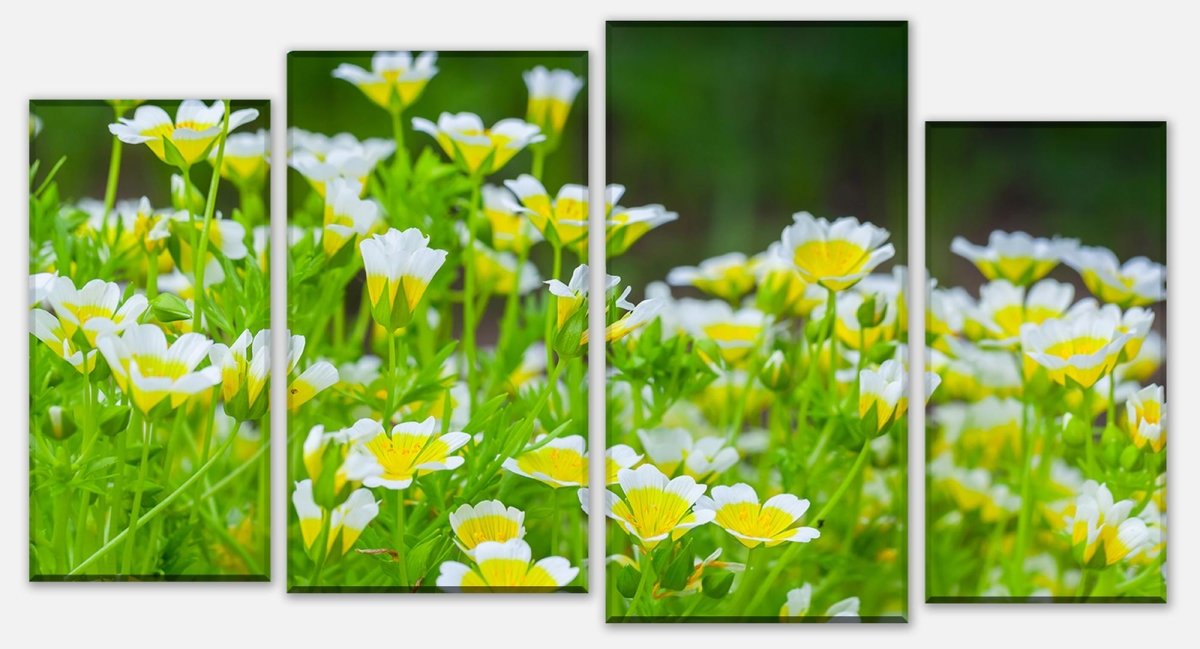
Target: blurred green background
(488, 84)
(1101, 182)
(78, 129)
(736, 126)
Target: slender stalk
(398, 135)
(151, 275)
(645, 585)
(552, 306)
(114, 173)
(469, 316)
(127, 562)
(845, 485)
(1087, 583)
(398, 540)
(162, 504)
(209, 209)
(830, 321)
(539, 161)
(738, 607)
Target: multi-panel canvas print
(756, 229)
(149, 364)
(1047, 440)
(437, 431)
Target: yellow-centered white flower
(151, 371)
(551, 93)
(395, 80)
(653, 508)
(479, 150)
(1015, 256)
(194, 129)
(399, 266)
(412, 449)
(503, 566)
(1146, 418)
(1137, 282)
(347, 216)
(737, 510)
(488, 521)
(96, 308)
(670, 448)
(1082, 347)
(835, 255)
(1101, 530)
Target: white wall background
(1011, 60)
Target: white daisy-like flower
(835, 255)
(395, 80)
(1018, 257)
(195, 128)
(479, 150)
(1137, 282)
(737, 510)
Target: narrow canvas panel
(1046, 442)
(437, 429)
(148, 405)
(758, 363)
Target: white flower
(654, 507)
(1083, 346)
(478, 149)
(96, 308)
(347, 216)
(504, 566)
(668, 448)
(151, 371)
(835, 255)
(191, 133)
(395, 79)
(736, 510)
(1101, 530)
(399, 266)
(1017, 257)
(489, 521)
(551, 93)
(1137, 282)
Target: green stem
(114, 173)
(162, 505)
(398, 135)
(151, 275)
(469, 317)
(134, 516)
(539, 162)
(645, 585)
(209, 209)
(552, 307)
(739, 608)
(830, 322)
(846, 482)
(1087, 583)
(398, 540)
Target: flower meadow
(1047, 439)
(149, 348)
(758, 433)
(438, 286)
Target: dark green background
(488, 84)
(1103, 183)
(78, 129)
(736, 126)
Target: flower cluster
(1047, 440)
(155, 385)
(778, 375)
(459, 406)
